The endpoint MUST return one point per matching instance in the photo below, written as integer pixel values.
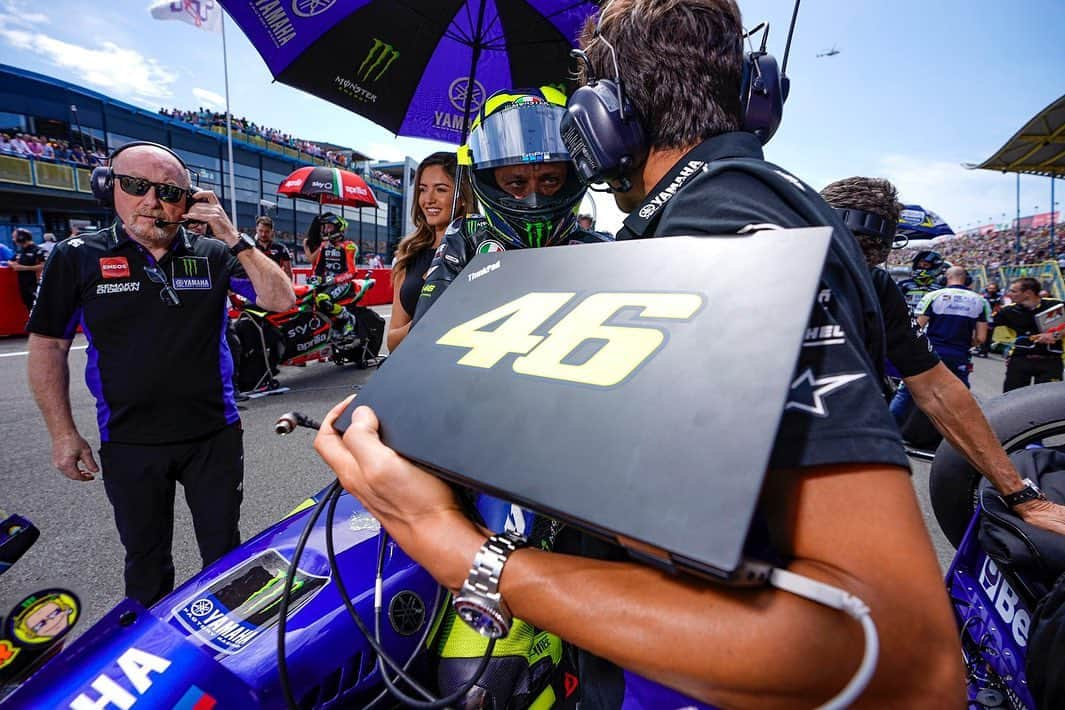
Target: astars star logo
(808, 391)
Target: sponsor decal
(137, 667)
(1007, 602)
(452, 258)
(8, 652)
(310, 8)
(792, 179)
(377, 62)
(824, 296)
(482, 272)
(824, 335)
(196, 699)
(293, 183)
(114, 267)
(808, 391)
(191, 273)
(685, 174)
(127, 287)
(272, 15)
(244, 602)
(489, 246)
(313, 343)
(527, 100)
(457, 94)
(322, 184)
(75, 242)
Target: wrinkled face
(138, 214)
(520, 181)
(436, 190)
(264, 233)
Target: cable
(855, 608)
(374, 640)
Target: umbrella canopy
(329, 186)
(916, 222)
(419, 68)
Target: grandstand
(48, 190)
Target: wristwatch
(478, 602)
(243, 244)
(1029, 492)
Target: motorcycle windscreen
(560, 380)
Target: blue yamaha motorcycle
(268, 625)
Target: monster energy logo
(191, 272)
(188, 265)
(378, 60)
(536, 231)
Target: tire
(1017, 418)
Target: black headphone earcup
(602, 132)
(102, 182)
(761, 95)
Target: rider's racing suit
(464, 239)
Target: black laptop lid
(633, 389)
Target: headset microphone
(163, 223)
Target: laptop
(1052, 319)
(632, 389)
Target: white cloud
(16, 13)
(961, 196)
(120, 71)
(384, 151)
(209, 98)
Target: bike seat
(1037, 554)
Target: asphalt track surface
(79, 547)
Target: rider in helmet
(333, 259)
(524, 180)
(927, 269)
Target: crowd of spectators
(994, 249)
(207, 119)
(54, 150)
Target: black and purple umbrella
(418, 68)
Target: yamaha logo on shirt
(191, 273)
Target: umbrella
(916, 222)
(328, 186)
(418, 68)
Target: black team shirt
(160, 374)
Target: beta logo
(137, 666)
(114, 267)
(1008, 603)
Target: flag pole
(229, 129)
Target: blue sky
(918, 87)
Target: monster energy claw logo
(191, 272)
(378, 60)
(188, 265)
(535, 231)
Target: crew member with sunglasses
(150, 297)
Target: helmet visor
(523, 134)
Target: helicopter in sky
(829, 52)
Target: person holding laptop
(837, 505)
(1041, 360)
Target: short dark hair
(874, 195)
(681, 62)
(265, 220)
(20, 235)
(1028, 284)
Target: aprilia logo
(114, 267)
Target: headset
(604, 133)
(102, 180)
(869, 224)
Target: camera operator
(150, 298)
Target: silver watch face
(486, 621)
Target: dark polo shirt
(160, 373)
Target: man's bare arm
(980, 334)
(951, 407)
(852, 527)
(49, 378)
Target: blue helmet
(928, 266)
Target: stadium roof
(1036, 149)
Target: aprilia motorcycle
(262, 341)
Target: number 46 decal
(622, 348)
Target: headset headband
(873, 225)
(102, 180)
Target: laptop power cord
(851, 605)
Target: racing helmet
(337, 221)
(522, 128)
(934, 267)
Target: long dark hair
(424, 235)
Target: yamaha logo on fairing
(663, 197)
(406, 613)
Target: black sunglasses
(167, 294)
(139, 187)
